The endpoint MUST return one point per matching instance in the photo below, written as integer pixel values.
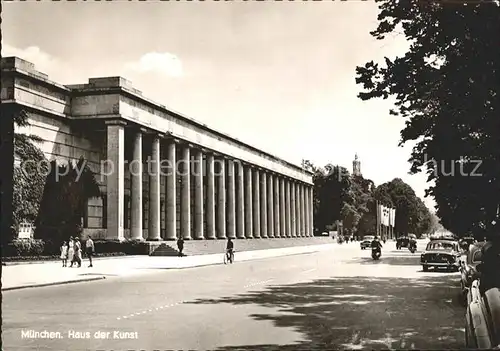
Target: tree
(445, 87)
(67, 191)
(365, 206)
(412, 216)
(331, 191)
(436, 226)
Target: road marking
(309, 270)
(258, 283)
(150, 310)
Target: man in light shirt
(89, 248)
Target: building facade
(162, 175)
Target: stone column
(293, 214)
(278, 230)
(221, 198)
(297, 205)
(305, 190)
(115, 181)
(136, 189)
(303, 219)
(288, 223)
(248, 204)
(198, 195)
(311, 210)
(270, 206)
(186, 193)
(256, 203)
(210, 197)
(240, 203)
(154, 224)
(297, 209)
(171, 191)
(283, 206)
(263, 205)
(231, 197)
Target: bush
(53, 257)
(128, 247)
(24, 247)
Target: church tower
(356, 166)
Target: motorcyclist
(376, 244)
(412, 243)
(490, 277)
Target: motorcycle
(376, 253)
(412, 248)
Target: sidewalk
(35, 275)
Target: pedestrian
(89, 249)
(71, 251)
(64, 254)
(180, 246)
(78, 252)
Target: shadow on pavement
(361, 313)
(400, 260)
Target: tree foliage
(352, 199)
(412, 216)
(331, 193)
(29, 181)
(28, 176)
(67, 190)
(446, 88)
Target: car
(468, 267)
(402, 241)
(367, 242)
(441, 254)
(482, 319)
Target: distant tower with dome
(356, 166)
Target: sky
(277, 75)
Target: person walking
(89, 249)
(230, 250)
(180, 246)
(64, 254)
(78, 252)
(71, 251)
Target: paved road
(333, 299)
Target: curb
(54, 283)
(17, 263)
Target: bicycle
(228, 257)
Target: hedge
(23, 247)
(54, 257)
(38, 248)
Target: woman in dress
(78, 251)
(64, 254)
(71, 251)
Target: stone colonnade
(233, 200)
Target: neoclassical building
(162, 175)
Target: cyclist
(230, 250)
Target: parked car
(367, 242)
(468, 267)
(482, 319)
(441, 254)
